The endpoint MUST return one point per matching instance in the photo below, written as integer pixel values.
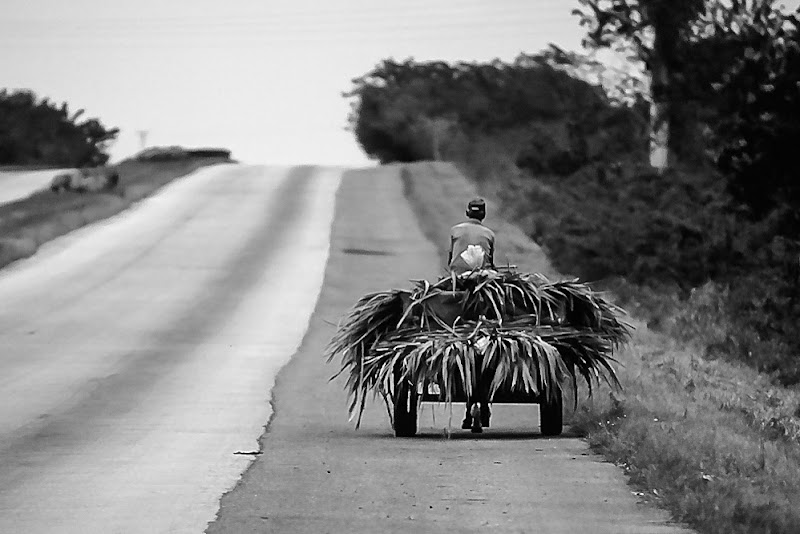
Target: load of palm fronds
(518, 332)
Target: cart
(448, 308)
(407, 401)
(488, 336)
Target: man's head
(476, 209)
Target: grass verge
(714, 442)
(28, 223)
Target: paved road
(318, 474)
(16, 185)
(138, 354)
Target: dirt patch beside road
(317, 474)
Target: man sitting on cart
(471, 243)
(471, 249)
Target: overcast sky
(261, 77)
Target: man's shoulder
(472, 225)
(460, 227)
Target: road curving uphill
(139, 352)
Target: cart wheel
(551, 416)
(405, 411)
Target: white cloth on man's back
(473, 256)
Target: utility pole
(142, 138)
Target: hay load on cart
(496, 336)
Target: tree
(757, 128)
(36, 131)
(542, 117)
(623, 83)
(652, 31)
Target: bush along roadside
(712, 440)
(567, 161)
(673, 248)
(28, 223)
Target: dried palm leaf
(519, 331)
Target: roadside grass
(28, 223)
(714, 442)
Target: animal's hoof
(485, 418)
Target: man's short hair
(476, 208)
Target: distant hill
(174, 152)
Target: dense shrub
(674, 252)
(757, 128)
(568, 164)
(546, 120)
(38, 132)
(622, 219)
(752, 318)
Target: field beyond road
(316, 473)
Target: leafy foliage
(655, 33)
(607, 221)
(36, 132)
(548, 120)
(758, 98)
(653, 29)
(730, 69)
(572, 174)
(711, 438)
(734, 73)
(655, 238)
(520, 332)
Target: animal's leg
(467, 423)
(485, 413)
(476, 427)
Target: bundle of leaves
(518, 332)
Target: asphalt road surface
(139, 357)
(138, 354)
(16, 185)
